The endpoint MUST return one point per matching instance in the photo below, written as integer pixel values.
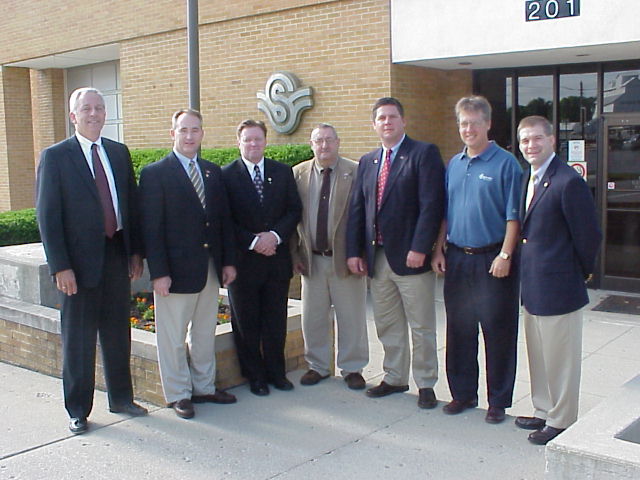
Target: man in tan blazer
(319, 254)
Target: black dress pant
(259, 320)
(103, 311)
(473, 296)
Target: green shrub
(289, 154)
(18, 226)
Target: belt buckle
(467, 250)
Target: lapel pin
(545, 184)
(375, 161)
(269, 179)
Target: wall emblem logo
(283, 101)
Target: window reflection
(621, 91)
(535, 96)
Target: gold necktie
(531, 189)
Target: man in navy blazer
(560, 242)
(265, 208)
(188, 238)
(91, 239)
(395, 212)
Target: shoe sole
(530, 427)
(380, 395)
(457, 412)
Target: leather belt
(324, 253)
(477, 250)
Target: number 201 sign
(549, 9)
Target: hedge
(289, 154)
(20, 226)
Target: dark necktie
(382, 183)
(257, 181)
(197, 182)
(110, 222)
(322, 235)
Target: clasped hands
(267, 244)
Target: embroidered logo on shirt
(484, 177)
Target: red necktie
(382, 182)
(110, 222)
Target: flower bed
(143, 312)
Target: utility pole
(193, 46)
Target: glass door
(620, 259)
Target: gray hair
(75, 96)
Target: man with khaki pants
(319, 254)
(394, 216)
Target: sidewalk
(319, 432)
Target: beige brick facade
(341, 48)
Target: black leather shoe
(495, 415)
(282, 384)
(183, 408)
(78, 425)
(355, 381)
(455, 407)
(427, 398)
(131, 408)
(220, 396)
(385, 389)
(542, 437)
(312, 377)
(530, 423)
(258, 388)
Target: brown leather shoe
(495, 415)
(220, 396)
(530, 423)
(311, 378)
(542, 437)
(385, 389)
(355, 381)
(183, 408)
(427, 398)
(455, 407)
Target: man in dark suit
(395, 212)
(86, 209)
(265, 208)
(188, 238)
(560, 242)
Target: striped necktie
(195, 178)
(531, 190)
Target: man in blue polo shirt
(475, 247)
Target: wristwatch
(504, 255)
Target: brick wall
(17, 170)
(48, 108)
(339, 48)
(41, 350)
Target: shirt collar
(183, 158)
(318, 168)
(250, 165)
(85, 143)
(543, 168)
(486, 154)
(395, 148)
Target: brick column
(49, 109)
(17, 172)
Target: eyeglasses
(328, 141)
(473, 124)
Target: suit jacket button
(206, 245)
(373, 242)
(207, 224)
(524, 240)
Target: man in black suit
(395, 212)
(188, 238)
(265, 207)
(86, 209)
(560, 242)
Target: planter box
(30, 329)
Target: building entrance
(620, 258)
